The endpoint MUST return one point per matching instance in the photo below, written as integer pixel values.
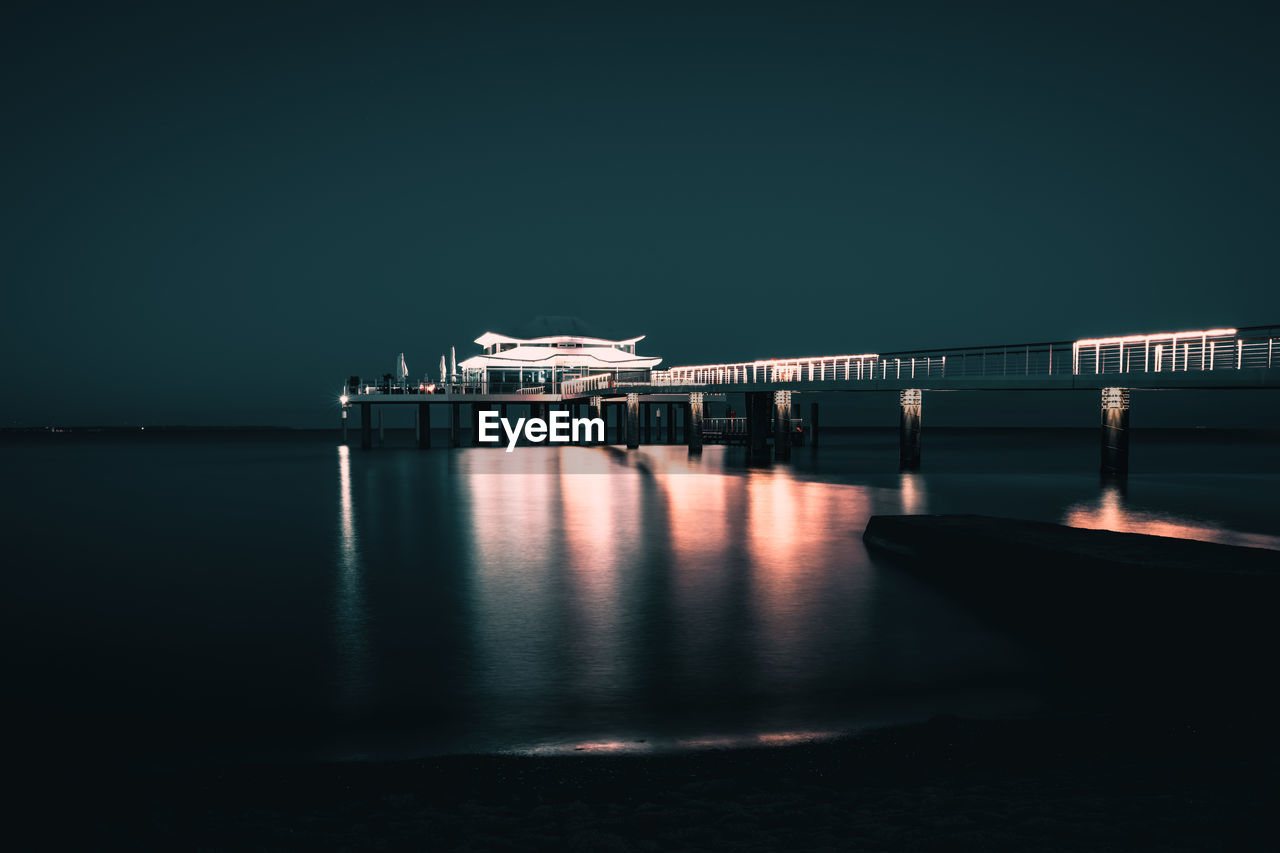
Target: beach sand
(1066, 783)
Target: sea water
(264, 595)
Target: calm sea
(237, 595)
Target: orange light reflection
(1110, 513)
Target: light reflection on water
(648, 593)
(1110, 513)
(350, 612)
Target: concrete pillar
(781, 425)
(595, 409)
(382, 433)
(424, 426)
(813, 424)
(757, 415)
(693, 424)
(911, 403)
(366, 427)
(455, 424)
(646, 414)
(671, 423)
(344, 424)
(1115, 432)
(633, 421)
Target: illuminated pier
(609, 379)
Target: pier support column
(671, 423)
(781, 425)
(646, 413)
(595, 409)
(382, 433)
(424, 426)
(1115, 432)
(757, 415)
(366, 427)
(693, 423)
(455, 424)
(911, 402)
(813, 424)
(633, 421)
(344, 424)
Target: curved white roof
(546, 356)
(491, 338)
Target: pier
(646, 405)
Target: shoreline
(1053, 782)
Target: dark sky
(214, 213)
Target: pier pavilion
(535, 365)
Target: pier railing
(586, 384)
(453, 388)
(1211, 349)
(725, 426)
(738, 425)
(815, 368)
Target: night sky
(212, 214)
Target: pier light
(1144, 342)
(344, 399)
(1130, 339)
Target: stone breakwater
(1146, 611)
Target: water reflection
(351, 617)
(914, 498)
(1110, 512)
(681, 744)
(517, 548)
(799, 534)
(616, 590)
(601, 549)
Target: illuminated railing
(437, 388)
(587, 384)
(1212, 349)
(814, 369)
(1256, 347)
(532, 389)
